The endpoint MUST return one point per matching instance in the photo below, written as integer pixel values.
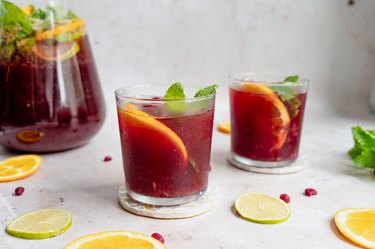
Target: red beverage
(165, 155)
(50, 96)
(265, 124)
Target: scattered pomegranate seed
(310, 191)
(285, 197)
(19, 191)
(107, 159)
(158, 237)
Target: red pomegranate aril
(158, 237)
(310, 192)
(107, 159)
(19, 191)
(285, 197)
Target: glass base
(283, 167)
(164, 201)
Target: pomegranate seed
(107, 159)
(19, 191)
(285, 197)
(158, 237)
(310, 191)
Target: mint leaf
(175, 91)
(366, 159)
(292, 78)
(15, 21)
(206, 91)
(363, 152)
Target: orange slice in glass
(146, 123)
(19, 167)
(28, 9)
(358, 225)
(279, 116)
(224, 127)
(116, 239)
(49, 34)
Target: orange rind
(224, 127)
(50, 34)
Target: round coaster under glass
(258, 167)
(186, 210)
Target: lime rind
(15, 229)
(280, 206)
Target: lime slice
(40, 224)
(54, 52)
(262, 208)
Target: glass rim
(241, 77)
(122, 95)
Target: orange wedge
(280, 118)
(146, 122)
(116, 240)
(358, 225)
(19, 167)
(49, 34)
(224, 127)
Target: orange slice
(358, 225)
(148, 122)
(224, 127)
(116, 239)
(280, 117)
(28, 9)
(19, 167)
(49, 34)
(30, 136)
(59, 51)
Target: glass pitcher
(50, 95)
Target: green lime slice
(40, 224)
(262, 208)
(59, 51)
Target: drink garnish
(206, 91)
(363, 152)
(285, 92)
(22, 28)
(176, 92)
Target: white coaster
(296, 166)
(186, 210)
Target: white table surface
(79, 181)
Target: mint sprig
(206, 91)
(363, 152)
(285, 92)
(175, 91)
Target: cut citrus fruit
(19, 167)
(358, 225)
(29, 136)
(147, 124)
(224, 127)
(40, 224)
(28, 9)
(116, 240)
(49, 34)
(279, 116)
(59, 51)
(262, 208)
